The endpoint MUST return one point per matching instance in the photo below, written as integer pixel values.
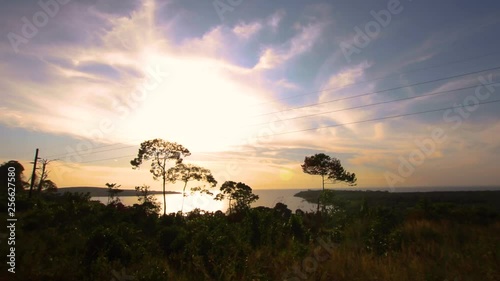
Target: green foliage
(172, 239)
(331, 168)
(324, 165)
(18, 177)
(48, 186)
(107, 243)
(159, 152)
(382, 235)
(113, 190)
(68, 237)
(239, 194)
(188, 172)
(147, 200)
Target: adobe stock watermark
(75, 154)
(223, 6)
(363, 37)
(310, 264)
(454, 118)
(32, 25)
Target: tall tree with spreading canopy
(329, 167)
(188, 172)
(159, 152)
(239, 192)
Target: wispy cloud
(275, 19)
(301, 43)
(246, 31)
(150, 70)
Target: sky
(404, 93)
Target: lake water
(267, 198)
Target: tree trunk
(42, 176)
(321, 193)
(183, 195)
(164, 171)
(164, 198)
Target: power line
(381, 91)
(333, 111)
(378, 78)
(372, 104)
(98, 160)
(112, 158)
(378, 119)
(335, 125)
(94, 152)
(314, 104)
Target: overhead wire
(321, 103)
(380, 118)
(380, 91)
(380, 78)
(372, 104)
(336, 88)
(338, 125)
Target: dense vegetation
(355, 235)
(70, 237)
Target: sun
(202, 102)
(197, 104)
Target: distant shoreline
(385, 198)
(103, 191)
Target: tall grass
(70, 238)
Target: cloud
(343, 78)
(115, 81)
(301, 43)
(245, 31)
(275, 19)
(287, 84)
(93, 65)
(214, 43)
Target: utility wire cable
(379, 119)
(321, 103)
(379, 78)
(335, 125)
(371, 104)
(381, 91)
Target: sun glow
(197, 105)
(194, 100)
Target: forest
(354, 235)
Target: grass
(71, 238)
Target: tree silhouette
(113, 191)
(239, 192)
(159, 152)
(147, 200)
(18, 174)
(188, 172)
(44, 174)
(326, 166)
(48, 186)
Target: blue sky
(248, 86)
